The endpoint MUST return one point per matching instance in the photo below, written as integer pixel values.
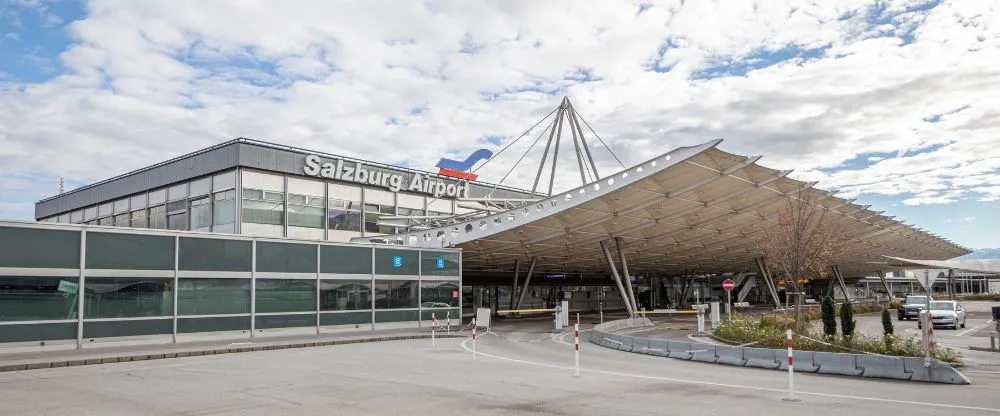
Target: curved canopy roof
(975, 266)
(693, 209)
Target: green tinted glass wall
(439, 263)
(390, 261)
(286, 258)
(217, 255)
(346, 260)
(37, 298)
(129, 251)
(213, 296)
(37, 248)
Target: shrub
(887, 328)
(994, 297)
(896, 304)
(781, 322)
(847, 320)
(829, 317)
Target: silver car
(945, 313)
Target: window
(37, 298)
(177, 221)
(90, 213)
(200, 187)
(128, 297)
(305, 211)
(158, 197)
(201, 214)
(224, 181)
(263, 207)
(158, 217)
(105, 221)
(122, 220)
(395, 294)
(176, 206)
(345, 295)
(177, 192)
(138, 201)
(213, 296)
(139, 219)
(344, 215)
(439, 294)
(121, 206)
(286, 295)
(64, 219)
(410, 212)
(76, 217)
(224, 207)
(372, 213)
(441, 221)
(104, 210)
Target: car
(947, 313)
(912, 306)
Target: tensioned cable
(522, 156)
(599, 138)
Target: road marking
(465, 346)
(969, 330)
(709, 341)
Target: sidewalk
(53, 358)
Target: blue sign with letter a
(439, 262)
(397, 261)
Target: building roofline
(276, 146)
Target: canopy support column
(885, 283)
(617, 279)
(513, 288)
(765, 275)
(527, 280)
(628, 280)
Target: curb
(210, 351)
(984, 349)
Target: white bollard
(576, 345)
(701, 321)
(716, 316)
(448, 318)
(473, 338)
(434, 323)
(791, 372)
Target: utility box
(996, 313)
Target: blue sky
(887, 101)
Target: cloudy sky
(895, 102)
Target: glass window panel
(306, 187)
(121, 206)
(127, 297)
(224, 181)
(129, 251)
(200, 187)
(104, 210)
(263, 212)
(41, 332)
(139, 219)
(345, 295)
(76, 217)
(37, 298)
(210, 254)
(104, 221)
(345, 260)
(439, 205)
(38, 248)
(286, 258)
(122, 220)
(138, 201)
(410, 201)
(177, 222)
(224, 208)
(345, 318)
(219, 323)
(157, 197)
(177, 192)
(213, 296)
(285, 321)
(344, 220)
(396, 262)
(158, 217)
(439, 263)
(395, 316)
(127, 328)
(201, 214)
(286, 295)
(395, 294)
(372, 213)
(90, 213)
(259, 180)
(375, 196)
(434, 294)
(345, 192)
(176, 206)
(304, 212)
(64, 219)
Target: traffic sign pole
(728, 285)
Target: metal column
(80, 290)
(840, 281)
(628, 280)
(885, 283)
(951, 284)
(766, 276)
(527, 280)
(617, 279)
(513, 288)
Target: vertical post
(618, 282)
(625, 275)
(527, 281)
(177, 250)
(701, 320)
(373, 280)
(576, 346)
(513, 288)
(319, 283)
(80, 293)
(253, 288)
(791, 372)
(928, 330)
(434, 325)
(729, 305)
(473, 338)
(448, 317)
(715, 315)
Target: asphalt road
(521, 368)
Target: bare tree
(801, 244)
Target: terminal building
(249, 237)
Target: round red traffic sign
(728, 284)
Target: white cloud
(948, 220)
(153, 79)
(969, 219)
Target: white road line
(465, 346)
(969, 330)
(708, 341)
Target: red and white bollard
(473, 338)
(434, 324)
(791, 372)
(576, 345)
(447, 318)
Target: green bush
(887, 328)
(829, 313)
(994, 297)
(847, 320)
(896, 304)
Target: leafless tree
(801, 244)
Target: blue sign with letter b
(439, 262)
(397, 261)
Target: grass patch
(769, 332)
(994, 297)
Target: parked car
(912, 306)
(946, 313)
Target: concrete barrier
(804, 361)
(877, 366)
(836, 363)
(729, 355)
(760, 357)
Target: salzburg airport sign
(356, 172)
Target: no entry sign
(728, 285)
